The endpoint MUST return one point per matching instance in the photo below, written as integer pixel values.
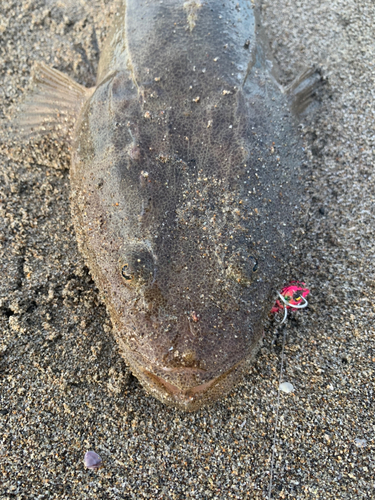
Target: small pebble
(360, 443)
(92, 460)
(286, 387)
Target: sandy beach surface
(65, 388)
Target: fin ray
(303, 90)
(52, 105)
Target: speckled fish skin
(184, 192)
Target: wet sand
(64, 386)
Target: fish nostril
(189, 358)
(185, 359)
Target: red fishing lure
(292, 296)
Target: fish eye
(136, 266)
(242, 267)
(126, 274)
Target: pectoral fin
(52, 106)
(304, 90)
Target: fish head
(188, 284)
(185, 234)
(187, 316)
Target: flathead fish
(185, 186)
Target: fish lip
(191, 396)
(176, 391)
(142, 363)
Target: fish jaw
(188, 388)
(196, 396)
(191, 397)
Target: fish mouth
(194, 397)
(179, 386)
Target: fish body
(184, 191)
